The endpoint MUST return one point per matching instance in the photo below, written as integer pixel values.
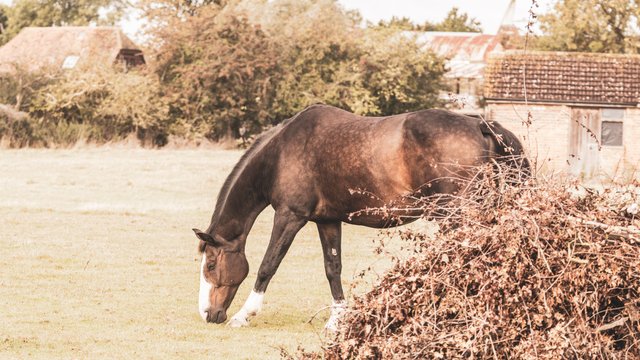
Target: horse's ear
(205, 237)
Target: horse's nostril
(216, 316)
(222, 317)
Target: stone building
(575, 112)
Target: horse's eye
(211, 266)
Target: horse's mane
(257, 145)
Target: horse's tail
(505, 147)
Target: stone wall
(547, 139)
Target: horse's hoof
(331, 326)
(237, 322)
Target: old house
(38, 48)
(575, 112)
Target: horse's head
(223, 269)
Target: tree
(458, 22)
(319, 47)
(218, 70)
(605, 26)
(231, 68)
(403, 23)
(455, 22)
(326, 57)
(25, 13)
(400, 75)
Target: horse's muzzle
(216, 316)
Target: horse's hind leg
(286, 226)
(331, 239)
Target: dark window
(131, 58)
(612, 127)
(612, 133)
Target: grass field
(98, 259)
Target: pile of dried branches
(540, 270)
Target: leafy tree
(328, 58)
(319, 52)
(400, 23)
(231, 68)
(605, 26)
(218, 70)
(455, 22)
(399, 75)
(25, 13)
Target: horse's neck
(242, 203)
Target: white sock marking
(337, 309)
(204, 302)
(251, 307)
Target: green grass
(99, 261)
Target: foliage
(236, 67)
(400, 23)
(18, 86)
(399, 75)
(15, 127)
(609, 26)
(25, 13)
(99, 105)
(218, 72)
(319, 53)
(228, 69)
(455, 21)
(4, 18)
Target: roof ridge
(521, 53)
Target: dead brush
(520, 269)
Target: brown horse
(326, 165)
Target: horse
(327, 165)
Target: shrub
(16, 128)
(18, 85)
(101, 105)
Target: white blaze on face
(204, 301)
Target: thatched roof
(564, 77)
(35, 48)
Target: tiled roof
(564, 77)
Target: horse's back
(331, 162)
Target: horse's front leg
(286, 226)
(331, 239)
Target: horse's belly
(367, 210)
